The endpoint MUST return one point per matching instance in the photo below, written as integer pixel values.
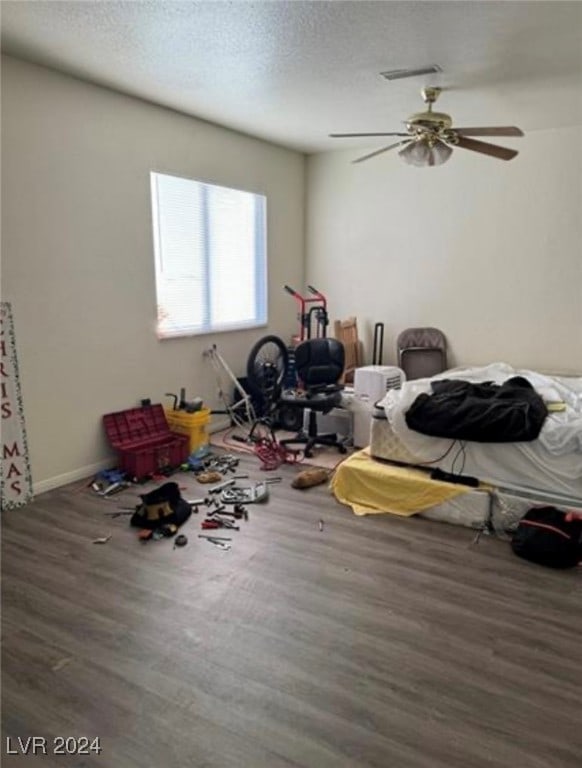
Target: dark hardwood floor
(374, 642)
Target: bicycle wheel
(266, 366)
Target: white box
(371, 382)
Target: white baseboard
(70, 477)
(217, 425)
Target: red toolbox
(143, 441)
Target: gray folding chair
(422, 352)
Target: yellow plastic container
(191, 424)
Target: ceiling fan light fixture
(424, 152)
(441, 153)
(415, 153)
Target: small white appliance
(371, 382)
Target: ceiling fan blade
(379, 151)
(355, 135)
(496, 130)
(502, 153)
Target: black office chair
(319, 364)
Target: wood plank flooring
(375, 642)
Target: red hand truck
(317, 312)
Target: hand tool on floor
(222, 486)
(226, 524)
(208, 524)
(248, 495)
(218, 523)
(239, 513)
(218, 511)
(220, 544)
(218, 541)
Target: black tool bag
(162, 506)
(544, 535)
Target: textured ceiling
(292, 72)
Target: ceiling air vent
(398, 74)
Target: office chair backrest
(319, 361)
(422, 352)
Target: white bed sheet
(552, 463)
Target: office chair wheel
(266, 367)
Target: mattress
(471, 510)
(372, 486)
(497, 511)
(550, 467)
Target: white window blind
(210, 257)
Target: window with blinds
(210, 257)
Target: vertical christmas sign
(15, 468)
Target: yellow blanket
(369, 486)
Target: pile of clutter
(162, 511)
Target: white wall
(488, 251)
(77, 261)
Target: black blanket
(485, 412)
